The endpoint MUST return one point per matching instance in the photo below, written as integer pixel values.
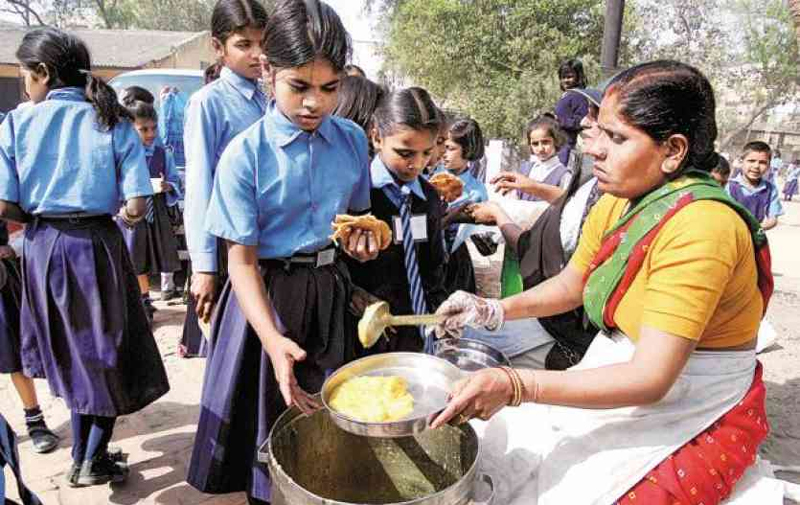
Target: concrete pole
(612, 31)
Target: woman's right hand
(204, 287)
(284, 353)
(465, 309)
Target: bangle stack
(516, 384)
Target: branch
(23, 6)
(757, 114)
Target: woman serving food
(668, 407)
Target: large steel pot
(313, 461)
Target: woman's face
(453, 156)
(306, 94)
(628, 162)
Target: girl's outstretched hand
(284, 353)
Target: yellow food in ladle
(374, 399)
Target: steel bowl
(430, 380)
(469, 355)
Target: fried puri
(345, 224)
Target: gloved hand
(465, 309)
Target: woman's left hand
(362, 245)
(480, 395)
(165, 186)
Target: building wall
(196, 54)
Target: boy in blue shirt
(751, 187)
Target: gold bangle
(521, 384)
(513, 385)
(515, 381)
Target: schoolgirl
(357, 101)
(464, 145)
(409, 275)
(65, 165)
(281, 323)
(42, 438)
(152, 244)
(544, 177)
(571, 107)
(215, 115)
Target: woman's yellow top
(698, 281)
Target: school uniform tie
(150, 211)
(412, 267)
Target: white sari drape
(563, 455)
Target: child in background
(571, 107)
(464, 145)
(152, 244)
(282, 322)
(438, 148)
(357, 101)
(42, 438)
(215, 115)
(790, 187)
(65, 165)
(722, 172)
(752, 189)
(543, 177)
(409, 275)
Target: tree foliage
(172, 15)
(495, 60)
(747, 48)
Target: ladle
(377, 317)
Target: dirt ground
(159, 438)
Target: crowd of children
(265, 176)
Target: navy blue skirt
(790, 188)
(83, 324)
(460, 273)
(10, 361)
(241, 399)
(153, 247)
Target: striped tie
(412, 268)
(150, 212)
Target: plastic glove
(465, 309)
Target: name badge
(419, 228)
(326, 257)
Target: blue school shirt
(54, 159)
(215, 115)
(280, 188)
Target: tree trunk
(794, 5)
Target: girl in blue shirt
(215, 115)
(464, 145)
(152, 243)
(282, 322)
(65, 165)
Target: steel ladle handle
(416, 320)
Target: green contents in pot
(337, 465)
